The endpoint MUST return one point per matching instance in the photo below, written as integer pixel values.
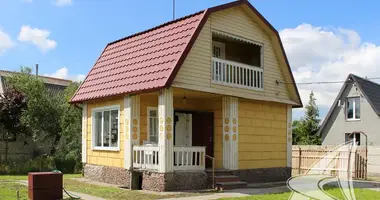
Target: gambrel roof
(150, 60)
(369, 89)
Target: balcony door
(218, 50)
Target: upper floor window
(353, 108)
(152, 125)
(105, 128)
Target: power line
(322, 82)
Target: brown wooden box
(45, 185)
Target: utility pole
(173, 9)
(36, 69)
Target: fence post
(299, 160)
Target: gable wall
(195, 73)
(337, 126)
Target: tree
(42, 118)
(12, 104)
(305, 130)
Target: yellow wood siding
(262, 134)
(103, 157)
(195, 73)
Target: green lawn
(361, 194)
(77, 186)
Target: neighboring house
(355, 109)
(206, 85)
(21, 148)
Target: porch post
(165, 140)
(230, 132)
(131, 127)
(84, 133)
(289, 137)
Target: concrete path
(75, 194)
(243, 192)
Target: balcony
(235, 74)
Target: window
(218, 49)
(152, 124)
(352, 136)
(353, 108)
(106, 128)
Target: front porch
(176, 130)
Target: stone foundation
(174, 181)
(111, 175)
(264, 174)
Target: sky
(324, 40)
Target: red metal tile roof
(139, 62)
(151, 59)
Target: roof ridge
(47, 77)
(365, 79)
(157, 27)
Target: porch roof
(150, 60)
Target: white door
(183, 130)
(218, 50)
(183, 135)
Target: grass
(9, 182)
(361, 194)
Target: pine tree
(305, 130)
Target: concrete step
(226, 178)
(230, 185)
(219, 172)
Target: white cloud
(28, 1)
(63, 73)
(62, 3)
(5, 42)
(328, 54)
(38, 37)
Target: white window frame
(148, 121)
(102, 109)
(353, 109)
(222, 47)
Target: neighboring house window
(353, 108)
(352, 136)
(152, 124)
(106, 128)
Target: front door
(203, 133)
(182, 132)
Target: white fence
(185, 158)
(189, 158)
(145, 157)
(236, 74)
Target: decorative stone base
(111, 175)
(174, 181)
(264, 174)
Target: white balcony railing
(185, 158)
(145, 157)
(189, 158)
(236, 74)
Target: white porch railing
(145, 157)
(236, 74)
(189, 158)
(185, 158)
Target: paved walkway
(243, 192)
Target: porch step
(230, 185)
(227, 178)
(224, 179)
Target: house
(355, 109)
(21, 148)
(200, 92)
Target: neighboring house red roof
(149, 60)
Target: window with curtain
(152, 125)
(106, 128)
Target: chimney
(36, 69)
